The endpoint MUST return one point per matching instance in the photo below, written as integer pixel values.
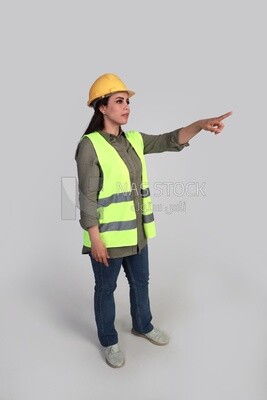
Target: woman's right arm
(99, 250)
(90, 183)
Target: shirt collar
(111, 137)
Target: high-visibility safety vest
(115, 206)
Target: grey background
(186, 61)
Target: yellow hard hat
(105, 85)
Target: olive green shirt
(90, 178)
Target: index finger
(225, 115)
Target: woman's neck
(112, 129)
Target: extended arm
(162, 142)
(214, 125)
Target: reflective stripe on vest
(115, 205)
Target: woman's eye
(120, 101)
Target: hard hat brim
(92, 102)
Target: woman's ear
(102, 109)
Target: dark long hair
(97, 121)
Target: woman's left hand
(214, 125)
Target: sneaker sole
(147, 338)
(114, 366)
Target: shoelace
(114, 349)
(154, 332)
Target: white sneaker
(114, 356)
(156, 336)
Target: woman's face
(117, 111)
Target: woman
(116, 209)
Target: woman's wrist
(94, 234)
(188, 132)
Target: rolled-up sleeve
(88, 183)
(163, 142)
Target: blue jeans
(137, 272)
